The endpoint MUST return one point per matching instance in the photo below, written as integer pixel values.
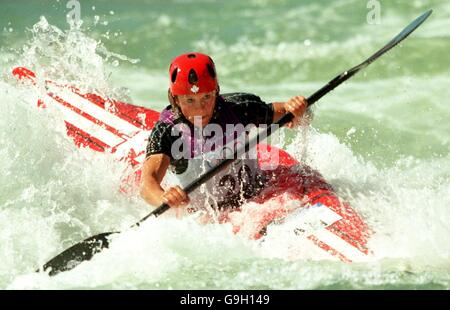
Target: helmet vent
(174, 75)
(211, 70)
(193, 78)
(191, 56)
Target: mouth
(202, 118)
(205, 116)
(198, 116)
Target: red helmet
(192, 73)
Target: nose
(197, 104)
(202, 103)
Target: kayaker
(178, 141)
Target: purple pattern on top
(167, 116)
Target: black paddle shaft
(87, 248)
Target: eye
(190, 100)
(206, 97)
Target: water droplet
(115, 63)
(307, 42)
(93, 8)
(111, 12)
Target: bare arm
(278, 110)
(153, 172)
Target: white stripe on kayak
(137, 143)
(308, 220)
(94, 110)
(140, 159)
(314, 220)
(340, 245)
(86, 125)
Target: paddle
(87, 248)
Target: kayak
(296, 202)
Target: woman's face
(198, 108)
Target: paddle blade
(397, 39)
(344, 76)
(76, 254)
